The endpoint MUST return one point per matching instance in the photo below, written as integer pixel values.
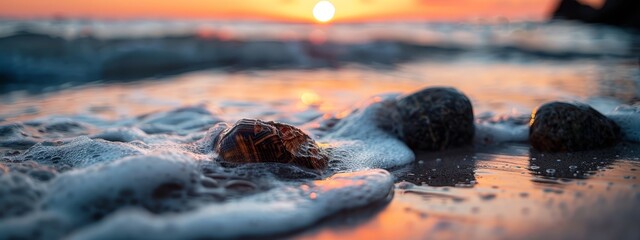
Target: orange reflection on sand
(394, 223)
(336, 183)
(508, 202)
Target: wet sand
(500, 192)
(494, 191)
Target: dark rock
(625, 13)
(256, 141)
(436, 119)
(561, 127)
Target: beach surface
(72, 145)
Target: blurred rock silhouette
(625, 13)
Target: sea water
(107, 130)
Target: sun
(323, 11)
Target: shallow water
(136, 156)
(495, 87)
(502, 193)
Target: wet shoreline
(162, 130)
(487, 198)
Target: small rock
(436, 119)
(562, 127)
(256, 141)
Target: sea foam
(360, 142)
(157, 176)
(628, 118)
(279, 210)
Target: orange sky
(280, 10)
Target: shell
(561, 127)
(256, 141)
(436, 119)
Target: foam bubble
(181, 121)
(628, 118)
(20, 194)
(15, 136)
(39, 225)
(134, 134)
(140, 180)
(30, 168)
(122, 134)
(64, 127)
(205, 145)
(276, 211)
(495, 129)
(359, 142)
(79, 152)
(494, 133)
(155, 173)
(158, 183)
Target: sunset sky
(281, 10)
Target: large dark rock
(436, 119)
(561, 127)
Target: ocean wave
(36, 53)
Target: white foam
(122, 134)
(99, 188)
(628, 118)
(75, 198)
(117, 171)
(15, 136)
(180, 121)
(38, 225)
(80, 152)
(206, 143)
(276, 211)
(20, 194)
(359, 142)
(131, 134)
(494, 133)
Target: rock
(436, 119)
(256, 141)
(613, 12)
(561, 127)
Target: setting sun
(324, 11)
